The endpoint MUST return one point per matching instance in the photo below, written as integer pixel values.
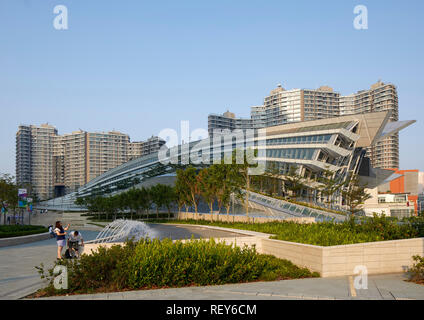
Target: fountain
(121, 230)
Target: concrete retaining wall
(6, 242)
(239, 241)
(378, 257)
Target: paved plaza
(380, 287)
(19, 278)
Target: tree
(182, 193)
(208, 186)
(80, 201)
(329, 185)
(354, 194)
(133, 204)
(294, 182)
(226, 177)
(242, 180)
(122, 200)
(95, 204)
(188, 179)
(111, 206)
(145, 199)
(170, 197)
(157, 193)
(8, 195)
(272, 174)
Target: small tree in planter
(354, 194)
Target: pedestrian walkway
(19, 278)
(380, 287)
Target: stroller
(72, 251)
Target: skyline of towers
(54, 164)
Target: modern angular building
(296, 105)
(380, 97)
(338, 144)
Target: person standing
(60, 238)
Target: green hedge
(161, 264)
(10, 231)
(330, 233)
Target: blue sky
(143, 66)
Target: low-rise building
(397, 205)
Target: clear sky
(143, 66)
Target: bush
(331, 233)
(161, 264)
(9, 231)
(417, 270)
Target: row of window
(300, 153)
(300, 140)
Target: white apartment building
(58, 164)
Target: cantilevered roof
(378, 177)
(370, 126)
(394, 127)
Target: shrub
(331, 233)
(417, 270)
(9, 231)
(158, 264)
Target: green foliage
(330, 233)
(132, 201)
(188, 186)
(294, 182)
(156, 264)
(9, 231)
(354, 194)
(417, 270)
(162, 195)
(329, 185)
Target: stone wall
(378, 257)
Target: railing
(294, 209)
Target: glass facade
(300, 140)
(298, 153)
(329, 126)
